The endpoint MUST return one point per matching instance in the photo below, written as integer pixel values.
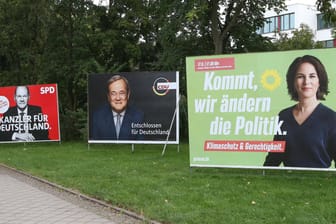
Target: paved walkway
(24, 203)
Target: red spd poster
(29, 113)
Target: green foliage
(302, 38)
(74, 125)
(230, 22)
(166, 189)
(62, 41)
(23, 33)
(328, 8)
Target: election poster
(273, 110)
(133, 107)
(29, 113)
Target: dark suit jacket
(31, 110)
(103, 127)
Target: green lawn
(166, 189)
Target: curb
(82, 196)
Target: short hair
(321, 73)
(23, 87)
(116, 78)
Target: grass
(165, 189)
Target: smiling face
(118, 95)
(21, 97)
(306, 81)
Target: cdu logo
(161, 86)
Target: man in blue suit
(114, 120)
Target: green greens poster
(271, 110)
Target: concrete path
(22, 202)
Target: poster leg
(171, 125)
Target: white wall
(305, 12)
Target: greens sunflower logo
(270, 80)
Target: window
(329, 43)
(270, 25)
(321, 23)
(287, 21)
(278, 23)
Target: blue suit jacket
(103, 127)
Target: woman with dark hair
(309, 126)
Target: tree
(62, 41)
(23, 36)
(302, 38)
(227, 20)
(328, 8)
(70, 60)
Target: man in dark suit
(114, 121)
(21, 121)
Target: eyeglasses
(122, 95)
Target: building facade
(298, 12)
